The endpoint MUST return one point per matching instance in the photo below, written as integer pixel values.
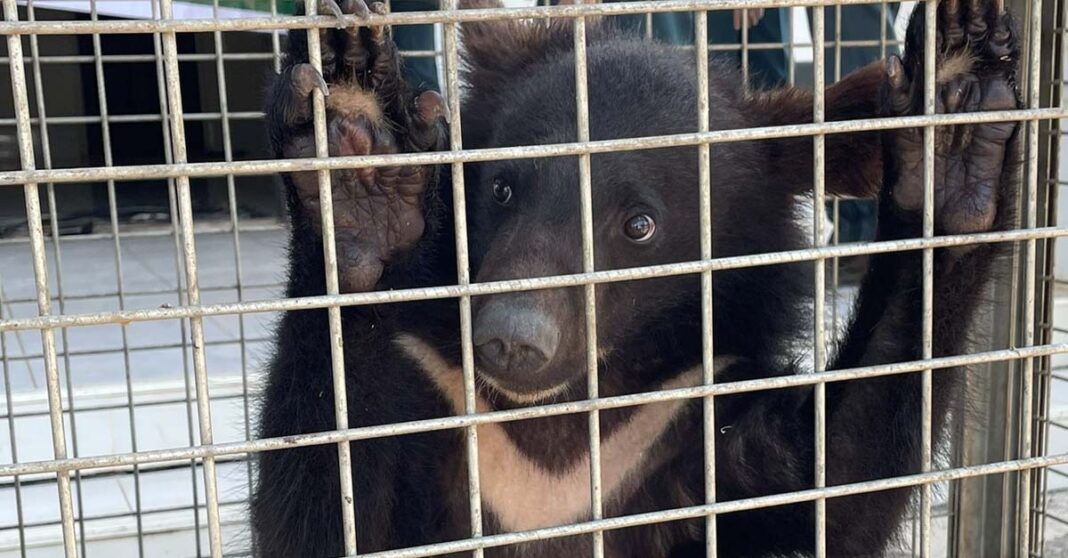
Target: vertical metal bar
(1051, 171)
(915, 549)
(928, 270)
(835, 213)
(12, 437)
(819, 217)
(196, 324)
(231, 195)
(337, 356)
(1012, 406)
(883, 10)
(837, 42)
(1030, 255)
(791, 65)
(590, 290)
(707, 353)
(276, 47)
(439, 55)
(277, 50)
(172, 201)
(105, 128)
(745, 49)
(915, 534)
(57, 259)
(40, 272)
(463, 270)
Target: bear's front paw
(975, 71)
(378, 212)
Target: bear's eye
(640, 227)
(502, 193)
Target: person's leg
(420, 71)
(856, 218)
(860, 22)
(767, 67)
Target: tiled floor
(89, 286)
(157, 365)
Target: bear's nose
(513, 343)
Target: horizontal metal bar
(1058, 472)
(395, 18)
(123, 470)
(1056, 518)
(1060, 425)
(475, 289)
(204, 227)
(87, 408)
(136, 118)
(854, 43)
(185, 57)
(719, 508)
(241, 168)
(243, 502)
(266, 56)
(461, 421)
(138, 348)
(133, 58)
(170, 291)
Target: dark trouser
(421, 71)
(856, 218)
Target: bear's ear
(494, 51)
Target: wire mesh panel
(143, 275)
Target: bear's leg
(874, 426)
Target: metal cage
(131, 336)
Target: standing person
(768, 67)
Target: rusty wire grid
(1000, 486)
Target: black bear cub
(395, 230)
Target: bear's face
(531, 345)
(526, 220)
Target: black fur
(412, 490)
